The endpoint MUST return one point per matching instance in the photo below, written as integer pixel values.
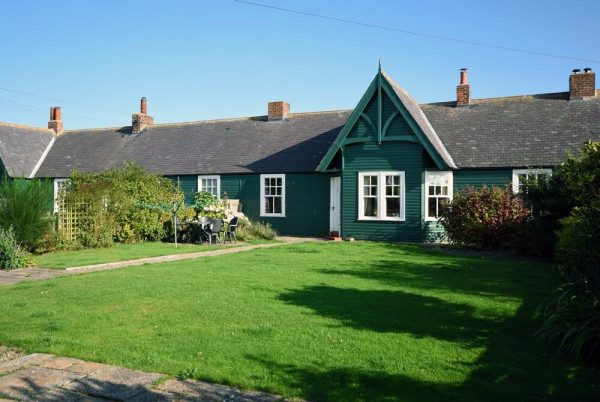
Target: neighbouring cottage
(379, 172)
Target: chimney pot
(139, 121)
(463, 76)
(587, 70)
(463, 90)
(576, 71)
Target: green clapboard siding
(306, 204)
(307, 200)
(477, 178)
(396, 156)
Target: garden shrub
(203, 199)
(549, 202)
(487, 218)
(26, 207)
(247, 230)
(12, 256)
(127, 205)
(572, 317)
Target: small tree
(487, 218)
(26, 206)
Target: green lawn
(322, 321)
(118, 252)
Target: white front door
(335, 204)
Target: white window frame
(58, 184)
(211, 177)
(527, 173)
(263, 196)
(438, 177)
(381, 196)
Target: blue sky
(213, 59)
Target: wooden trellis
(69, 214)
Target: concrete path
(45, 377)
(32, 274)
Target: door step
(335, 236)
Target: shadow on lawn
(391, 311)
(346, 384)
(512, 365)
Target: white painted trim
(517, 172)
(211, 177)
(441, 174)
(262, 194)
(335, 204)
(381, 216)
(42, 158)
(56, 188)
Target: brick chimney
(55, 122)
(279, 110)
(139, 121)
(463, 90)
(582, 85)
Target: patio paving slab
(45, 377)
(115, 383)
(32, 381)
(23, 361)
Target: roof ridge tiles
(212, 121)
(23, 126)
(548, 95)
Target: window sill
(381, 220)
(272, 216)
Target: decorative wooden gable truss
(386, 113)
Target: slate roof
(512, 132)
(21, 147)
(243, 145)
(417, 114)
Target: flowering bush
(488, 218)
(216, 210)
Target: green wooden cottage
(380, 171)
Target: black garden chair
(203, 229)
(215, 230)
(230, 231)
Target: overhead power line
(386, 28)
(63, 101)
(32, 109)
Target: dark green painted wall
(395, 156)
(307, 200)
(477, 178)
(307, 195)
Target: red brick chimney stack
(139, 121)
(463, 90)
(55, 122)
(582, 86)
(279, 110)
